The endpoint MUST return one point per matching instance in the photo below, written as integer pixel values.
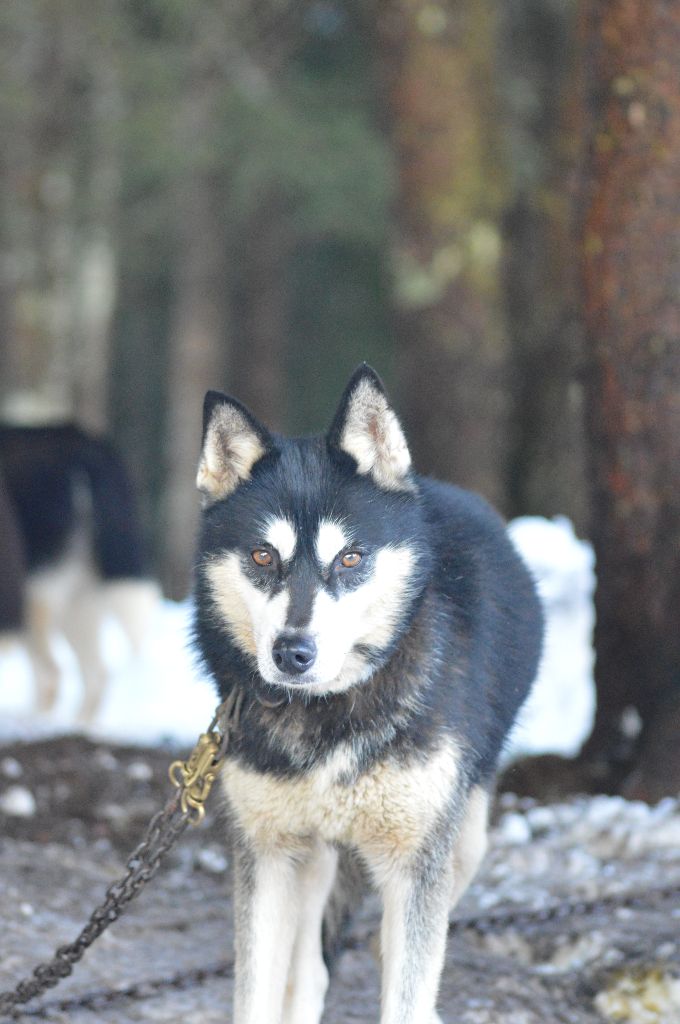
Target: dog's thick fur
(385, 633)
(74, 552)
(12, 565)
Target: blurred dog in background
(71, 553)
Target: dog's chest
(391, 805)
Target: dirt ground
(72, 809)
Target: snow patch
(559, 713)
(156, 695)
(18, 802)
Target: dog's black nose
(294, 654)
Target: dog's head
(311, 555)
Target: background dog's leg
(308, 975)
(267, 905)
(41, 616)
(82, 628)
(413, 934)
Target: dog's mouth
(278, 681)
(356, 666)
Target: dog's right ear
(367, 429)
(233, 441)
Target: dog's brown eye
(351, 559)
(261, 557)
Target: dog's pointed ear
(367, 429)
(233, 441)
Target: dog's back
(12, 566)
(62, 479)
(492, 616)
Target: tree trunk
(546, 470)
(38, 217)
(438, 69)
(631, 288)
(60, 185)
(197, 343)
(96, 277)
(261, 308)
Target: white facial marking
(280, 533)
(368, 614)
(330, 539)
(251, 616)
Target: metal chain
(564, 910)
(193, 779)
(99, 999)
(482, 924)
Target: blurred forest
(257, 195)
(481, 198)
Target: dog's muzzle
(294, 654)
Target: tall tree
(537, 58)
(438, 65)
(197, 341)
(59, 113)
(631, 290)
(261, 308)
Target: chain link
(640, 899)
(162, 833)
(99, 999)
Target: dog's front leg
(267, 907)
(413, 935)
(308, 977)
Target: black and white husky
(71, 553)
(385, 633)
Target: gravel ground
(70, 810)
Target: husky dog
(385, 633)
(71, 504)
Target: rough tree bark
(261, 309)
(38, 214)
(197, 349)
(59, 179)
(96, 271)
(631, 291)
(546, 468)
(198, 333)
(437, 62)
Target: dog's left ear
(366, 428)
(233, 441)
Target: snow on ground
(159, 695)
(162, 695)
